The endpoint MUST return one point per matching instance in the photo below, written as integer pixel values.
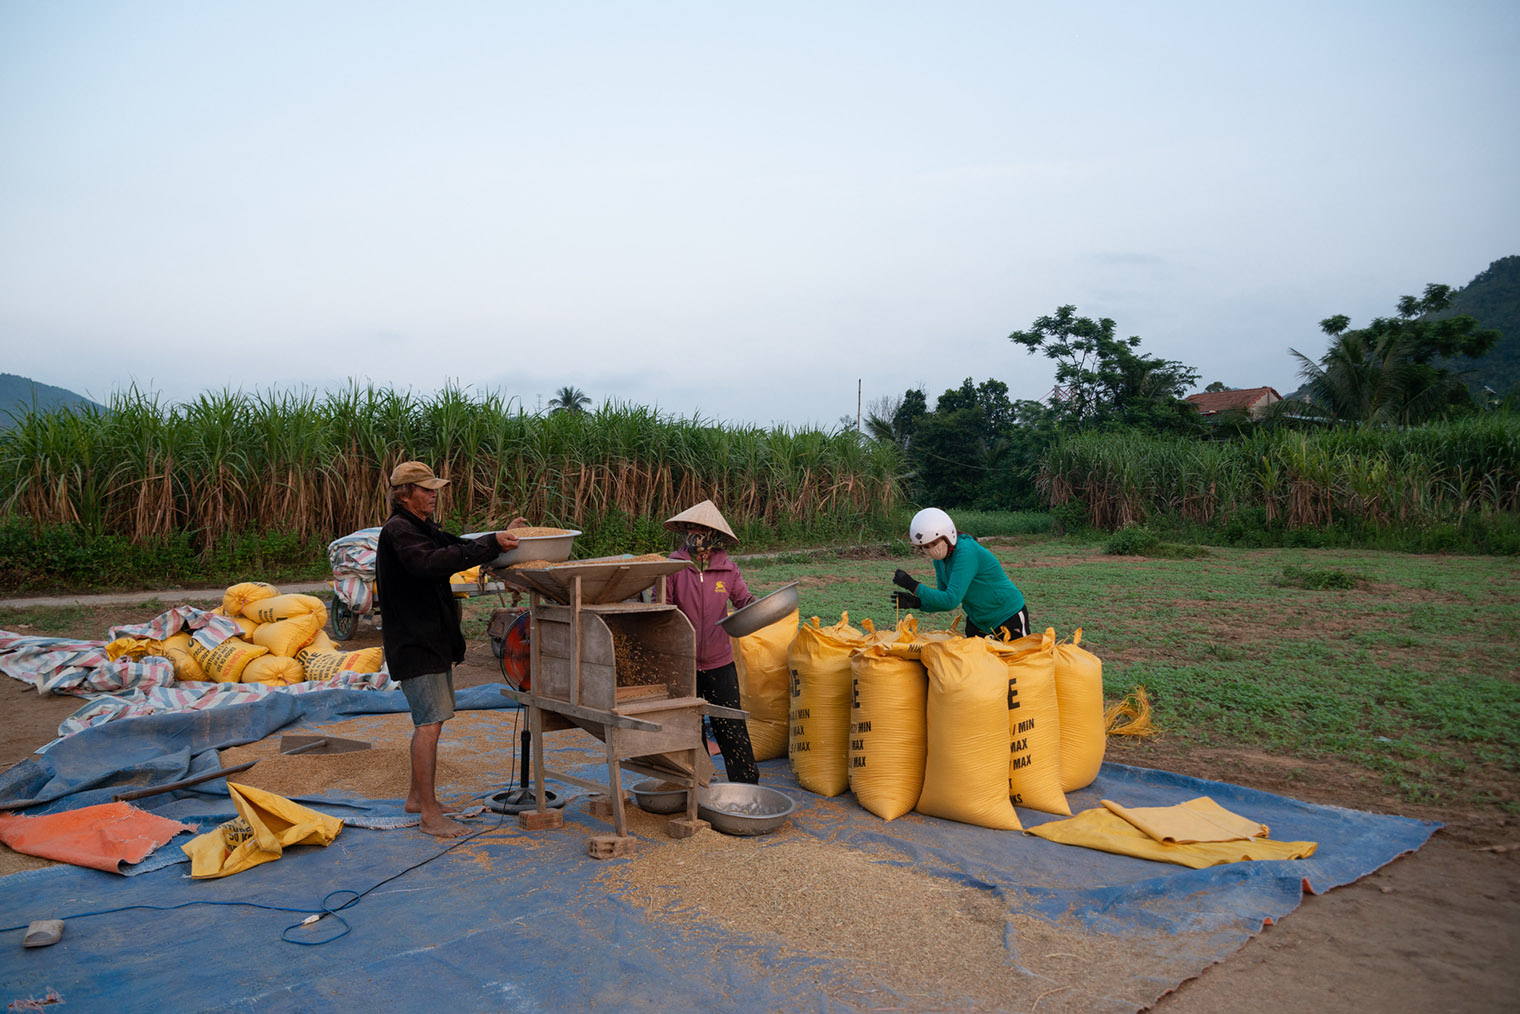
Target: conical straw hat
(706, 514)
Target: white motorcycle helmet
(929, 524)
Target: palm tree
(569, 399)
(1391, 372)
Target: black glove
(906, 600)
(904, 581)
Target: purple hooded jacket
(704, 597)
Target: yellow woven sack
(966, 765)
(819, 736)
(321, 665)
(225, 662)
(1100, 828)
(286, 637)
(248, 626)
(1034, 722)
(177, 650)
(283, 607)
(888, 729)
(236, 598)
(322, 643)
(1079, 692)
(265, 826)
(765, 684)
(273, 670)
(133, 648)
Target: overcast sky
(737, 211)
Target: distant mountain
(1493, 299)
(18, 394)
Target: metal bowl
(762, 612)
(656, 796)
(742, 809)
(549, 548)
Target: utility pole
(857, 404)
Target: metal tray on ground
(655, 796)
(742, 809)
(603, 579)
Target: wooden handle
(183, 783)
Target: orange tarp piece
(102, 837)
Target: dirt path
(1438, 931)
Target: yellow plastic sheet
(266, 825)
(1197, 820)
(1102, 829)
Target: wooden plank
(625, 694)
(668, 703)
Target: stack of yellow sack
(282, 643)
(964, 728)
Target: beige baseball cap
(417, 474)
(705, 514)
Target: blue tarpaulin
(531, 927)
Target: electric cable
(327, 909)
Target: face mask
(701, 545)
(939, 550)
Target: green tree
(909, 414)
(1105, 380)
(976, 448)
(1386, 373)
(569, 399)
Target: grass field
(1410, 674)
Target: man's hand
(518, 523)
(904, 580)
(506, 540)
(906, 600)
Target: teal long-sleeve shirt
(973, 579)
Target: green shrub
(1132, 540)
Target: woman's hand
(906, 600)
(904, 580)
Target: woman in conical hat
(703, 592)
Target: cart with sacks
(355, 592)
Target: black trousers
(1016, 625)
(720, 686)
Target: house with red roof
(1253, 401)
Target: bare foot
(443, 827)
(412, 807)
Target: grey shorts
(431, 697)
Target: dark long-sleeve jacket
(413, 563)
(704, 596)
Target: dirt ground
(1435, 931)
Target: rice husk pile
(538, 533)
(634, 666)
(904, 939)
(475, 754)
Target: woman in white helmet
(966, 576)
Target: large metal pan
(762, 612)
(548, 548)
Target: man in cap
(703, 592)
(413, 563)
